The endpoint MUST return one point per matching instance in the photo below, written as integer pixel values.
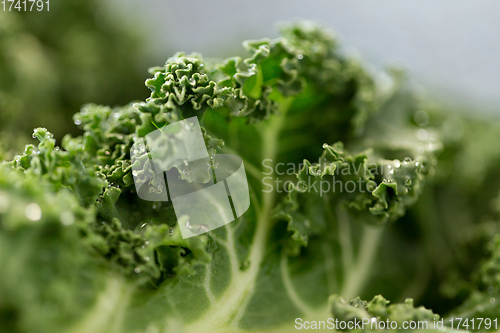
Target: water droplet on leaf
(67, 218)
(33, 212)
(421, 118)
(408, 181)
(422, 134)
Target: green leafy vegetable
(351, 177)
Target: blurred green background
(51, 63)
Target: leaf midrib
(235, 298)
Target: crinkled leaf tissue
(409, 211)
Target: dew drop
(300, 57)
(143, 225)
(490, 290)
(33, 212)
(67, 218)
(408, 181)
(407, 160)
(492, 300)
(78, 122)
(192, 81)
(421, 118)
(422, 134)
(137, 270)
(146, 259)
(170, 231)
(107, 152)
